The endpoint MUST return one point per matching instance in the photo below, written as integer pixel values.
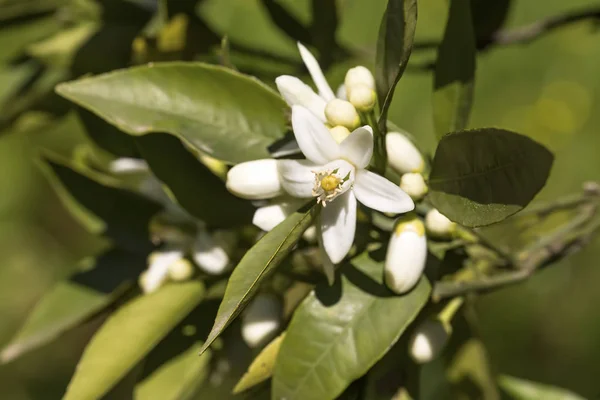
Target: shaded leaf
(128, 335)
(482, 176)
(223, 113)
(324, 26)
(351, 325)
(455, 71)
(488, 18)
(194, 186)
(257, 264)
(394, 45)
(287, 22)
(522, 389)
(261, 368)
(107, 136)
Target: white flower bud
(339, 133)
(362, 97)
(414, 185)
(128, 165)
(403, 155)
(261, 320)
(310, 235)
(341, 112)
(359, 76)
(158, 269)
(438, 225)
(208, 255)
(428, 341)
(406, 254)
(181, 270)
(255, 180)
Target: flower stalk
(379, 148)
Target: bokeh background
(547, 329)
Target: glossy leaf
(482, 176)
(257, 264)
(223, 113)
(455, 71)
(340, 331)
(128, 335)
(394, 45)
(194, 186)
(522, 389)
(261, 368)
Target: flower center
(328, 185)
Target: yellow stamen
(330, 182)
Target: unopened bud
(403, 155)
(362, 97)
(310, 235)
(414, 185)
(438, 225)
(181, 270)
(342, 112)
(429, 340)
(255, 180)
(261, 320)
(406, 254)
(158, 269)
(339, 133)
(359, 76)
(209, 255)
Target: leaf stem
(379, 149)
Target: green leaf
(522, 389)
(482, 176)
(194, 186)
(455, 71)
(258, 263)
(338, 333)
(128, 335)
(223, 113)
(106, 136)
(124, 214)
(287, 22)
(394, 45)
(261, 368)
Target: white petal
(295, 92)
(341, 92)
(378, 193)
(209, 256)
(328, 266)
(297, 177)
(261, 320)
(405, 259)
(358, 147)
(268, 217)
(315, 72)
(313, 137)
(255, 180)
(338, 224)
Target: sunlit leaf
(261, 368)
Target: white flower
(438, 225)
(158, 269)
(261, 320)
(362, 97)
(336, 175)
(406, 255)
(208, 255)
(414, 185)
(428, 341)
(403, 155)
(181, 270)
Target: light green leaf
(261, 368)
(258, 263)
(394, 45)
(522, 389)
(223, 113)
(338, 333)
(60, 49)
(128, 335)
(482, 176)
(194, 186)
(455, 71)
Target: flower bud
(362, 97)
(158, 269)
(406, 254)
(255, 180)
(208, 255)
(358, 76)
(403, 155)
(181, 270)
(261, 320)
(339, 133)
(341, 112)
(128, 165)
(310, 234)
(438, 225)
(428, 341)
(414, 185)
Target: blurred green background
(547, 329)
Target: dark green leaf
(258, 263)
(324, 26)
(223, 113)
(394, 45)
(482, 176)
(128, 336)
(522, 389)
(488, 18)
(340, 331)
(285, 21)
(107, 136)
(194, 186)
(455, 71)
